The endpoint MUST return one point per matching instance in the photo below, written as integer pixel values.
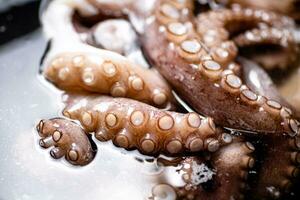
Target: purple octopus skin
(205, 84)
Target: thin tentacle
(264, 28)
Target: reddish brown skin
(274, 168)
(223, 106)
(72, 137)
(267, 86)
(276, 150)
(200, 92)
(283, 57)
(123, 109)
(290, 7)
(230, 176)
(236, 20)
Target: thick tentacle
(230, 164)
(72, 65)
(68, 139)
(274, 176)
(108, 73)
(265, 28)
(258, 80)
(278, 168)
(134, 125)
(202, 82)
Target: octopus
(176, 85)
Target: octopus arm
(135, 125)
(231, 164)
(67, 138)
(106, 72)
(258, 80)
(262, 28)
(286, 48)
(210, 89)
(74, 66)
(279, 167)
(288, 7)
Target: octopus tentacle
(218, 26)
(258, 80)
(80, 67)
(202, 66)
(272, 181)
(288, 7)
(275, 180)
(134, 125)
(273, 37)
(106, 73)
(204, 83)
(231, 164)
(68, 139)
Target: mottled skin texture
(223, 106)
(231, 165)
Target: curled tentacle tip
(68, 139)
